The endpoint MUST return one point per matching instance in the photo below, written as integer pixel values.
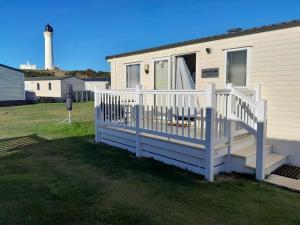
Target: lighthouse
(48, 34)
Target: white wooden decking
(204, 132)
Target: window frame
(169, 59)
(126, 75)
(248, 64)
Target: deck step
(250, 151)
(243, 141)
(272, 162)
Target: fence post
(210, 131)
(96, 105)
(229, 130)
(138, 151)
(261, 139)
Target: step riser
(251, 158)
(246, 143)
(270, 169)
(238, 165)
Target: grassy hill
(79, 73)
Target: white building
(98, 83)
(28, 66)
(11, 86)
(52, 86)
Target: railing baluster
(171, 119)
(156, 120)
(189, 121)
(151, 117)
(148, 117)
(166, 119)
(182, 121)
(202, 123)
(195, 122)
(143, 117)
(177, 115)
(161, 118)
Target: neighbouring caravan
(11, 86)
(53, 86)
(97, 83)
(247, 66)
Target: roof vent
(234, 30)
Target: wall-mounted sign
(210, 73)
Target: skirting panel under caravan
(12, 103)
(185, 156)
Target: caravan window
(38, 86)
(133, 72)
(161, 74)
(49, 86)
(237, 67)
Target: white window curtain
(183, 78)
(132, 75)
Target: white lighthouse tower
(49, 64)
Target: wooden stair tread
(242, 138)
(248, 151)
(270, 159)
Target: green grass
(64, 178)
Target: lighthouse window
(38, 86)
(49, 86)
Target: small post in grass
(69, 104)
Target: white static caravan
(11, 86)
(256, 72)
(52, 86)
(101, 83)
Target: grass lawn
(58, 175)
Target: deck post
(138, 151)
(258, 92)
(210, 132)
(261, 139)
(96, 106)
(229, 130)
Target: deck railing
(178, 114)
(201, 117)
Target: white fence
(199, 117)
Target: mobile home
(53, 86)
(11, 86)
(254, 78)
(101, 83)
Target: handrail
(243, 108)
(142, 91)
(239, 94)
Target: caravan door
(162, 73)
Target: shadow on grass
(74, 181)
(12, 145)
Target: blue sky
(86, 31)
